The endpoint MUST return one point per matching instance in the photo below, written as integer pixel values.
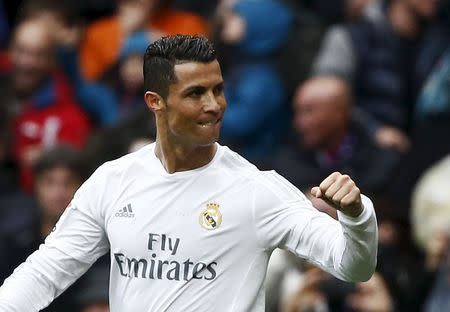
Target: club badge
(211, 218)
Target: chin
(209, 142)
(208, 138)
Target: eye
(218, 90)
(196, 92)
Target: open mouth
(210, 123)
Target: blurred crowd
(313, 86)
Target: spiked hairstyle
(162, 55)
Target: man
(190, 224)
(249, 126)
(387, 56)
(329, 140)
(26, 221)
(49, 112)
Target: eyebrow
(220, 84)
(193, 88)
(201, 87)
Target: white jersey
(196, 240)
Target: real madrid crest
(211, 218)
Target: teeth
(209, 123)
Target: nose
(212, 104)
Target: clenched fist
(339, 191)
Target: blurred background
(313, 86)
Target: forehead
(197, 73)
(58, 171)
(324, 92)
(33, 37)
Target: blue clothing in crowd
(391, 70)
(434, 98)
(257, 112)
(101, 102)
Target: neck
(177, 157)
(403, 20)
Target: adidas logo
(125, 212)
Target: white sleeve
(285, 218)
(76, 242)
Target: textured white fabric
(169, 253)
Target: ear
(154, 101)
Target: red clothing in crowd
(41, 126)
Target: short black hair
(61, 156)
(162, 55)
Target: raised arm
(285, 218)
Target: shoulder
(263, 181)
(120, 166)
(272, 184)
(234, 164)
(109, 180)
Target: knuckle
(345, 177)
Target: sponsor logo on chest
(125, 212)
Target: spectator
(386, 57)
(26, 221)
(430, 213)
(105, 38)
(430, 217)
(329, 140)
(67, 30)
(429, 134)
(122, 96)
(131, 78)
(430, 128)
(318, 292)
(434, 98)
(254, 89)
(312, 19)
(49, 113)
